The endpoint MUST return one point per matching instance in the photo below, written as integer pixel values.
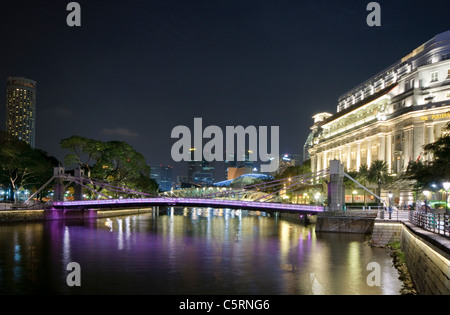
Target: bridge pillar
(336, 189)
(58, 186)
(78, 196)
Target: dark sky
(136, 69)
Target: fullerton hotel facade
(389, 117)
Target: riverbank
(398, 257)
(399, 262)
(12, 216)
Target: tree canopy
(438, 170)
(22, 167)
(115, 161)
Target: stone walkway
(396, 216)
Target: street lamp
(317, 195)
(426, 193)
(446, 188)
(390, 207)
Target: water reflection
(188, 251)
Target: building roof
(243, 180)
(361, 103)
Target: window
(434, 76)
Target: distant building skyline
(21, 109)
(163, 175)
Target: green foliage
(115, 161)
(421, 172)
(292, 171)
(378, 174)
(22, 166)
(438, 170)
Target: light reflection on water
(188, 251)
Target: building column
(369, 152)
(325, 161)
(389, 152)
(358, 155)
(407, 148)
(349, 157)
(313, 163)
(382, 148)
(319, 161)
(430, 139)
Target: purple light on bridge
(191, 201)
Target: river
(190, 251)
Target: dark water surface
(195, 251)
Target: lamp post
(390, 207)
(426, 193)
(446, 188)
(317, 195)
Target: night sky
(136, 69)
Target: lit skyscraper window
(21, 109)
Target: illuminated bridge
(185, 202)
(263, 196)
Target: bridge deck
(185, 202)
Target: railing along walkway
(434, 222)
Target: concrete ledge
(21, 215)
(356, 222)
(433, 239)
(47, 215)
(111, 213)
(427, 258)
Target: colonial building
(389, 117)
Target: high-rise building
(21, 109)
(200, 172)
(163, 175)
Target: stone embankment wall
(427, 255)
(45, 215)
(428, 260)
(21, 215)
(358, 222)
(386, 233)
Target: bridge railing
(199, 202)
(438, 223)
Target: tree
(292, 171)
(440, 150)
(84, 151)
(378, 174)
(22, 166)
(116, 162)
(426, 172)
